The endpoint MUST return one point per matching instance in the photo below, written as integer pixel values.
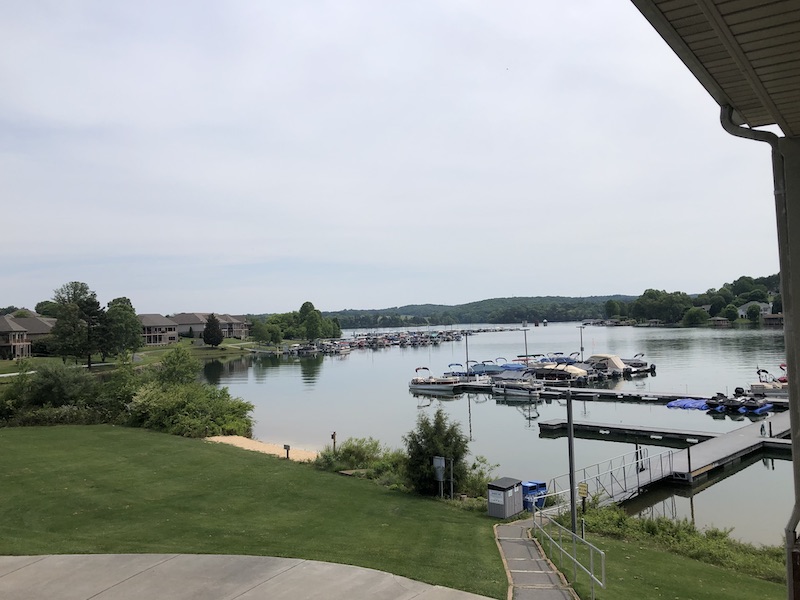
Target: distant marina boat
(425, 382)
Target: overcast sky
(244, 157)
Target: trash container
(505, 497)
(533, 492)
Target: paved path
(531, 575)
(223, 577)
(203, 577)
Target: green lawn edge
(103, 489)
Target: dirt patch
(265, 447)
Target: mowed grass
(104, 489)
(636, 569)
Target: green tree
(70, 338)
(612, 308)
(78, 294)
(742, 285)
(47, 308)
(730, 312)
(177, 367)
(695, 316)
(435, 437)
(753, 313)
(313, 325)
(212, 334)
(120, 329)
(777, 304)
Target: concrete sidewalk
(530, 574)
(203, 577)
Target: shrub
(190, 410)
(52, 385)
(435, 437)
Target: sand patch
(265, 447)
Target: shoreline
(296, 454)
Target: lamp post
(525, 333)
(581, 327)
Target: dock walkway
(705, 454)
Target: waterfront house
(232, 327)
(764, 308)
(14, 342)
(158, 330)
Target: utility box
(533, 493)
(505, 497)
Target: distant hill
(495, 310)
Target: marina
(364, 393)
(702, 453)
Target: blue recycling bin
(533, 492)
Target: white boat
(423, 382)
(768, 385)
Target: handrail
(541, 524)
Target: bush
(713, 546)
(435, 437)
(58, 385)
(190, 410)
(478, 477)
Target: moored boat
(423, 382)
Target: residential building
(764, 308)
(232, 327)
(158, 330)
(14, 342)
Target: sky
(246, 157)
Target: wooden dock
(695, 463)
(603, 395)
(705, 453)
(647, 435)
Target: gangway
(619, 478)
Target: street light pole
(525, 333)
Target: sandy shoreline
(265, 447)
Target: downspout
(779, 179)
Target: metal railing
(551, 534)
(619, 478)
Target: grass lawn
(104, 489)
(642, 571)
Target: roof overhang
(745, 53)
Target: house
(764, 308)
(14, 342)
(232, 327)
(158, 330)
(37, 327)
(719, 322)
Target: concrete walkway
(203, 577)
(530, 574)
(223, 577)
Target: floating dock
(602, 395)
(705, 453)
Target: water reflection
(299, 401)
(212, 371)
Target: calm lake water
(365, 394)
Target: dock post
(689, 462)
(571, 453)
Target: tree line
(669, 307)
(305, 324)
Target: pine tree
(212, 334)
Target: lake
(302, 401)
